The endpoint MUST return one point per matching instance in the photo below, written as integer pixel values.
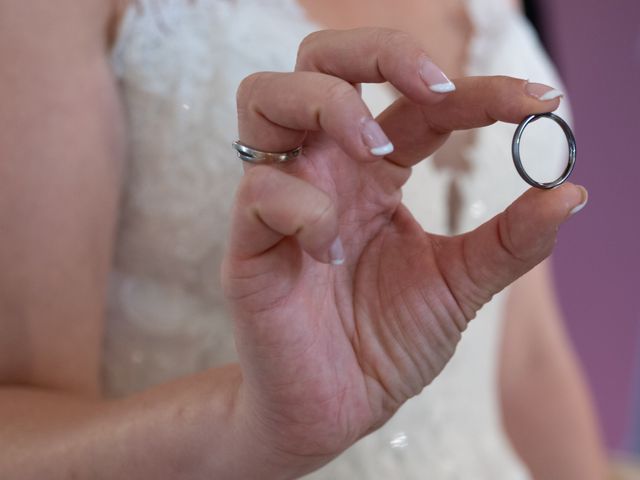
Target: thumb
(481, 263)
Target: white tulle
(179, 66)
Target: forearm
(547, 409)
(191, 429)
(551, 424)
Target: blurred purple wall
(596, 44)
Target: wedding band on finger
(515, 150)
(252, 155)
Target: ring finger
(276, 110)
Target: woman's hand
(344, 307)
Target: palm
(340, 349)
(329, 353)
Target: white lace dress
(179, 64)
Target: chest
(443, 27)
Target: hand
(344, 307)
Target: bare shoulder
(85, 21)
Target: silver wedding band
(251, 155)
(515, 150)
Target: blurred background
(596, 46)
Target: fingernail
(336, 252)
(435, 78)
(583, 203)
(542, 92)
(374, 138)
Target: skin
(293, 408)
(546, 408)
(441, 23)
(547, 411)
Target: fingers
(272, 205)
(276, 110)
(481, 263)
(419, 130)
(374, 55)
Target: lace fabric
(179, 67)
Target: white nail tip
(446, 87)
(336, 252)
(382, 151)
(551, 95)
(577, 208)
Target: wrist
(261, 448)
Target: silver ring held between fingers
(251, 155)
(515, 150)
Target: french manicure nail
(583, 203)
(375, 138)
(542, 92)
(336, 252)
(435, 78)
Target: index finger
(419, 130)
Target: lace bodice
(179, 64)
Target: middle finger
(375, 55)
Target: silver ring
(515, 150)
(251, 155)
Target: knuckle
(323, 212)
(253, 184)
(319, 224)
(390, 42)
(507, 241)
(508, 91)
(307, 46)
(504, 235)
(339, 92)
(247, 88)
(392, 38)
